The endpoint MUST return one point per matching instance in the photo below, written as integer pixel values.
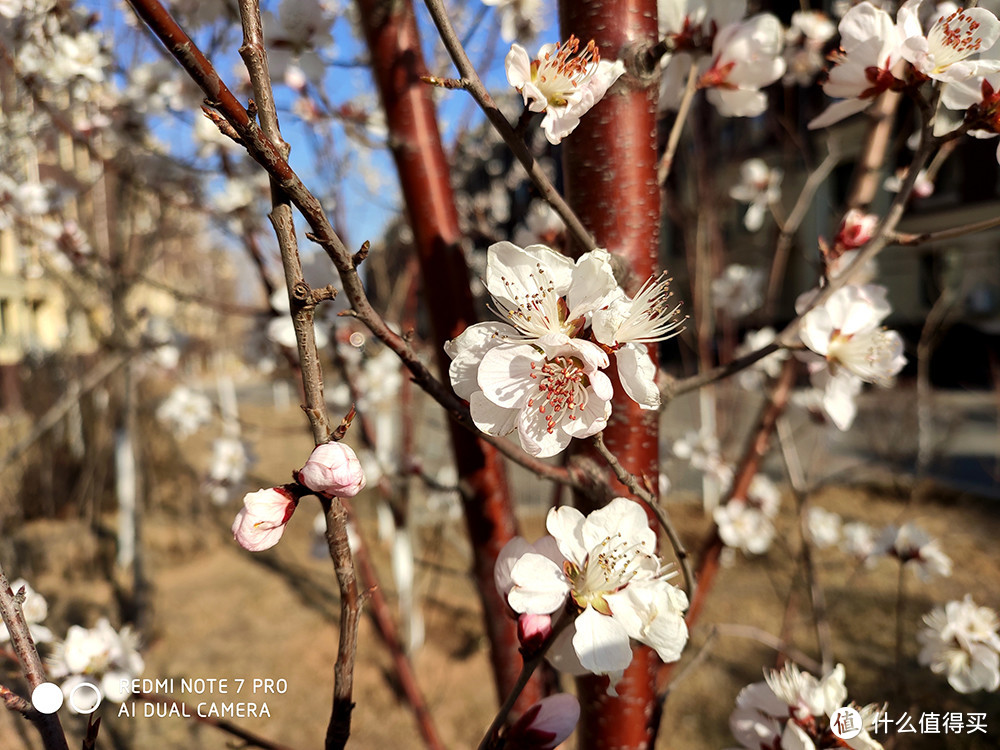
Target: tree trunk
(610, 166)
(391, 31)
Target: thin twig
(793, 465)
(771, 641)
(881, 237)
(911, 240)
(647, 497)
(667, 160)
(390, 635)
(792, 224)
(48, 725)
(302, 306)
(676, 387)
(528, 669)
(474, 85)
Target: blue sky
(368, 209)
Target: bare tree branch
(473, 84)
(31, 665)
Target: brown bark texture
(397, 63)
(610, 166)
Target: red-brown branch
(610, 165)
(397, 62)
(753, 454)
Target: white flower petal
(540, 586)
(601, 643)
(490, 418)
(637, 373)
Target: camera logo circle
(47, 698)
(846, 723)
(81, 702)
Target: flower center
(562, 389)
(870, 355)
(562, 71)
(536, 311)
(609, 568)
(953, 39)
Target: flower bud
(855, 230)
(261, 522)
(334, 470)
(532, 631)
(546, 724)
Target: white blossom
(946, 52)
(739, 290)
(805, 38)
(542, 225)
(550, 391)
(760, 187)
(859, 539)
(744, 526)
(846, 330)
(791, 709)
(626, 325)
(101, 655)
(691, 27)
(229, 461)
(35, 609)
(913, 546)
(752, 377)
(746, 57)
(863, 68)
(960, 641)
(824, 527)
(605, 567)
(562, 82)
(185, 411)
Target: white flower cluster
(101, 655)
(35, 609)
(759, 187)
(955, 51)
(913, 546)
(960, 641)
(54, 44)
(748, 523)
(185, 411)
(735, 56)
(540, 373)
(792, 710)
(909, 544)
(604, 568)
(848, 346)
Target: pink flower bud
(261, 522)
(333, 470)
(546, 724)
(855, 230)
(532, 630)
